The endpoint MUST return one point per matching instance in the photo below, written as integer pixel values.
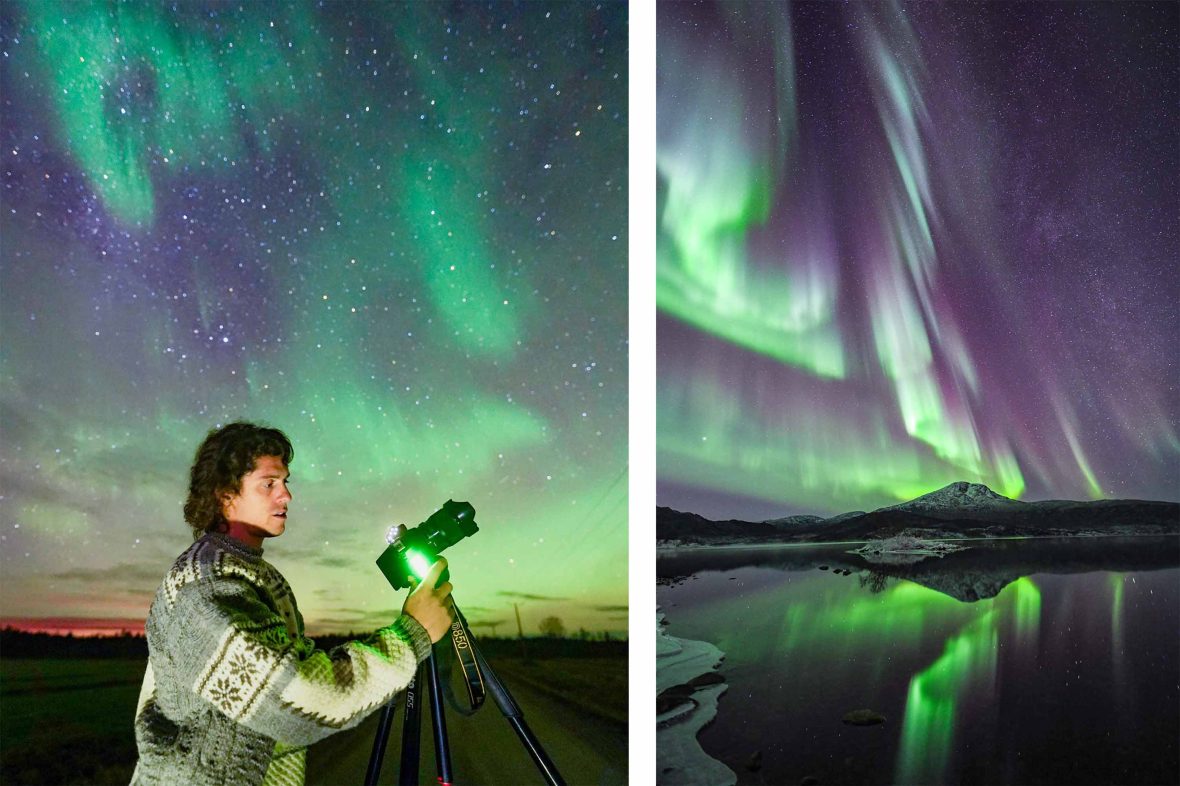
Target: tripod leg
(510, 710)
(442, 749)
(373, 773)
(408, 775)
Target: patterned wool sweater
(234, 693)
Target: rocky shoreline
(688, 687)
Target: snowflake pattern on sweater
(234, 691)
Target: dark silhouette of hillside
(20, 644)
(959, 510)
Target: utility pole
(520, 632)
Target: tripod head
(411, 552)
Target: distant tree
(552, 627)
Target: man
(234, 693)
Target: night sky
(906, 245)
(397, 232)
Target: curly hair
(226, 455)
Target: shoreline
(689, 669)
(809, 543)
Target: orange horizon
(85, 627)
(91, 627)
(79, 627)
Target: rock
(668, 701)
(863, 718)
(823, 567)
(708, 678)
(673, 697)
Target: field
(69, 720)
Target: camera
(411, 552)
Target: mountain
(961, 500)
(959, 510)
(672, 525)
(792, 521)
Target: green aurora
(398, 232)
(851, 315)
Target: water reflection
(968, 663)
(979, 572)
(1011, 662)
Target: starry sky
(397, 232)
(901, 245)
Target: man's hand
(432, 606)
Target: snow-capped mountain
(961, 500)
(960, 509)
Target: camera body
(414, 550)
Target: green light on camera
(419, 564)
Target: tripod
(442, 755)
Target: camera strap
(472, 676)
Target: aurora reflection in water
(1058, 678)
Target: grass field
(69, 721)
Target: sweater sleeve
(252, 669)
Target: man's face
(260, 508)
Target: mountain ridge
(958, 510)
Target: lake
(1014, 662)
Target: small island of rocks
(905, 547)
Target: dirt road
(588, 747)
